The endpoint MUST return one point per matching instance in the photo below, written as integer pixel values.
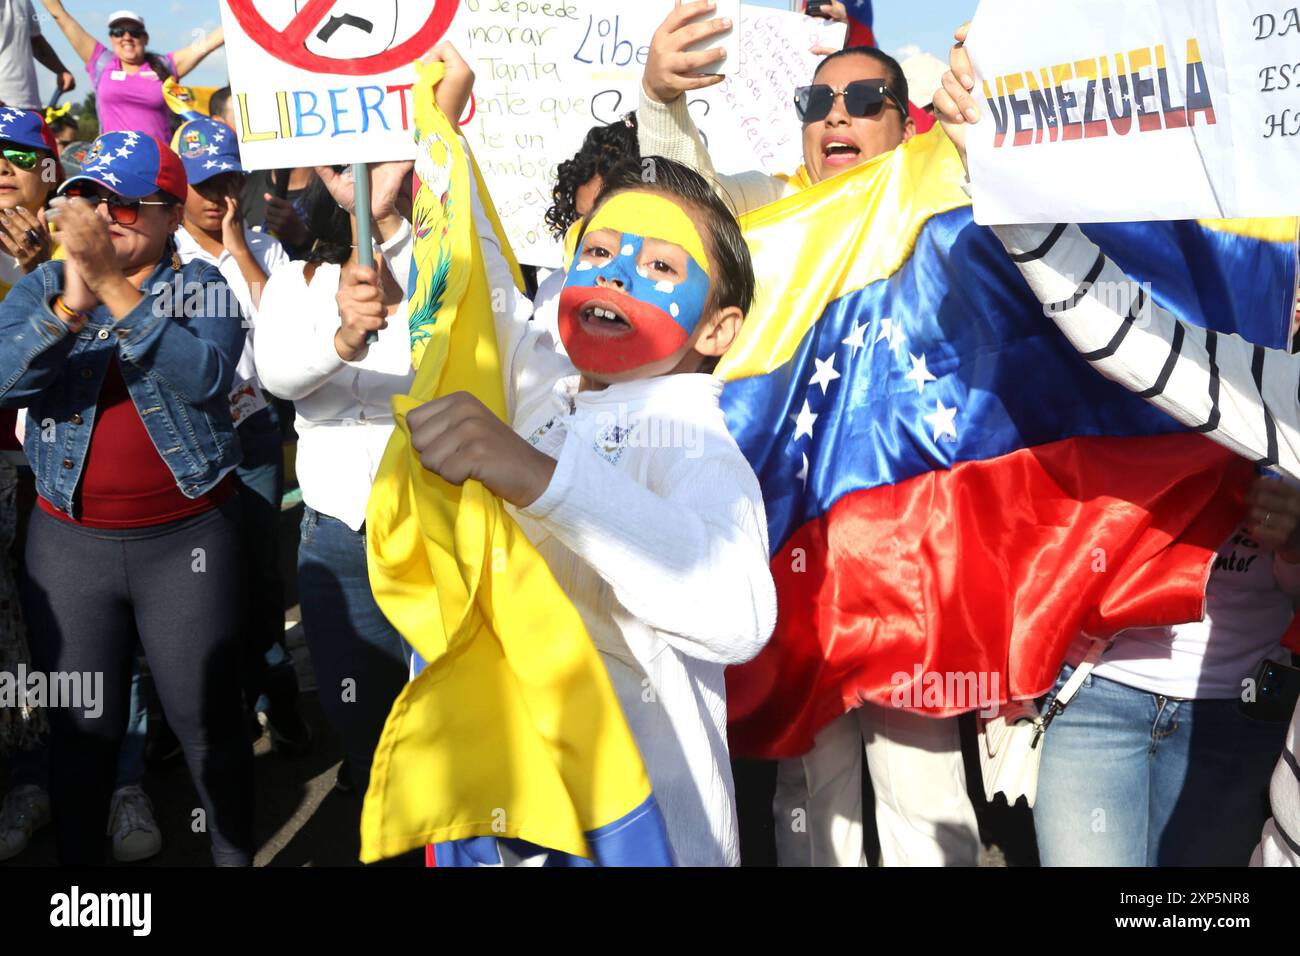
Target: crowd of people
(142, 475)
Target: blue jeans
(361, 662)
(1130, 778)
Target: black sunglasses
(862, 99)
(118, 32)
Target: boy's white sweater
(653, 524)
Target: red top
(126, 483)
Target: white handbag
(1010, 741)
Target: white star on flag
(212, 150)
(919, 374)
(942, 421)
(225, 165)
(209, 164)
(856, 337)
(825, 373)
(891, 333)
(220, 137)
(803, 424)
(112, 179)
(803, 472)
(107, 159)
(124, 152)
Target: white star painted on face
(919, 374)
(942, 421)
(803, 472)
(803, 423)
(825, 373)
(857, 336)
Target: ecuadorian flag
(950, 488)
(511, 731)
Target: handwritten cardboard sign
(1131, 110)
(544, 79)
(319, 82)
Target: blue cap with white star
(207, 148)
(133, 165)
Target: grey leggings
(89, 596)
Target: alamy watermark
(950, 691)
(180, 299)
(73, 690)
(618, 428)
(1123, 298)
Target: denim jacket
(178, 362)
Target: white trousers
(923, 814)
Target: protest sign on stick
(1132, 110)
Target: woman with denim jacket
(124, 360)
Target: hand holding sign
(672, 68)
(362, 312)
(953, 102)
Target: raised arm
(1241, 395)
(188, 57)
(82, 42)
(44, 54)
(664, 124)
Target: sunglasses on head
(124, 212)
(21, 157)
(862, 99)
(118, 32)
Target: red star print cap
(207, 148)
(133, 165)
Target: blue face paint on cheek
(683, 301)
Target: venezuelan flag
(511, 731)
(861, 23)
(950, 488)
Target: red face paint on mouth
(607, 332)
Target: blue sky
(172, 23)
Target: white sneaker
(24, 811)
(131, 824)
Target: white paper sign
(1132, 110)
(546, 72)
(542, 82)
(320, 82)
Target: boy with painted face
(622, 472)
(637, 289)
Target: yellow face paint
(651, 216)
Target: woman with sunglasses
(136, 537)
(128, 78)
(854, 109)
